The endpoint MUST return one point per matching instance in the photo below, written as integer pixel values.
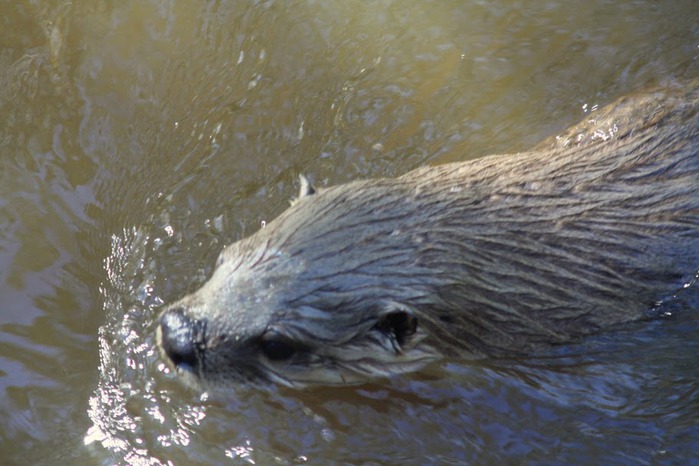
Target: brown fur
(494, 256)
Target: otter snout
(179, 336)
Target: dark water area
(138, 138)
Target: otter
(493, 257)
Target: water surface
(138, 138)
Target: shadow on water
(137, 139)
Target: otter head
(303, 301)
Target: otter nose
(179, 335)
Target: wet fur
(494, 256)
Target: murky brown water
(138, 137)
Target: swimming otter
(495, 256)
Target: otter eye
(277, 347)
(400, 325)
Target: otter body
(496, 256)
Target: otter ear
(399, 323)
(306, 188)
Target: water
(137, 138)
